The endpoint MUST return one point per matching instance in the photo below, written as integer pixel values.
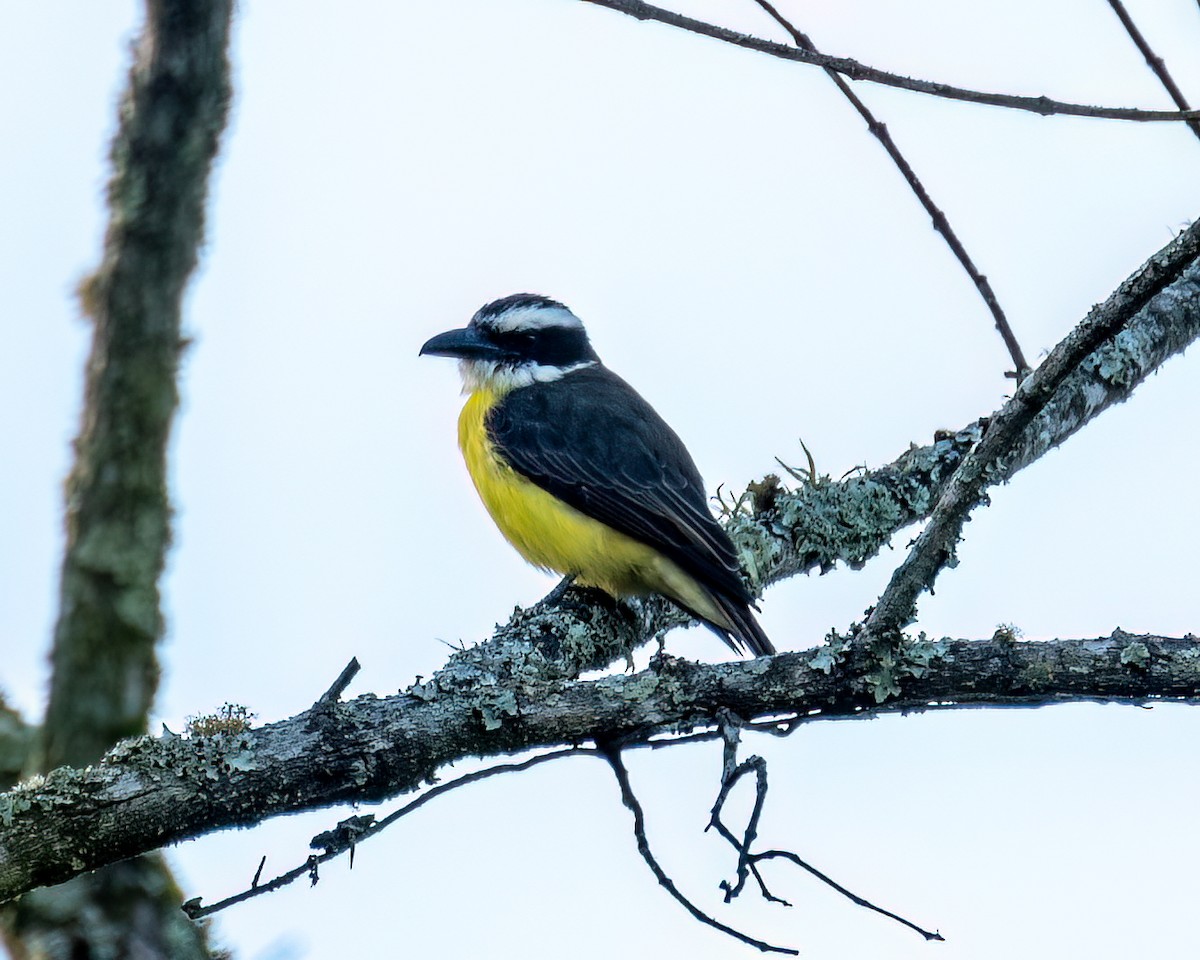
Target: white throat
(503, 377)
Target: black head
(518, 339)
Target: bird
(580, 473)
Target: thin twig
(940, 222)
(1154, 61)
(748, 861)
(848, 894)
(1044, 106)
(334, 693)
(309, 867)
(759, 766)
(613, 755)
(986, 463)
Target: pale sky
(744, 254)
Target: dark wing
(592, 441)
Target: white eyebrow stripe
(533, 318)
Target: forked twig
(612, 754)
(1153, 61)
(308, 868)
(748, 861)
(1045, 106)
(745, 859)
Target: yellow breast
(547, 532)
(555, 536)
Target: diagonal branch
(195, 911)
(514, 693)
(1154, 61)
(857, 71)
(988, 463)
(940, 222)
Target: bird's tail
(742, 629)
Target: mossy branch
(105, 666)
(150, 792)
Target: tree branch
(987, 464)
(195, 911)
(147, 792)
(940, 222)
(629, 798)
(514, 692)
(105, 667)
(748, 861)
(857, 71)
(1153, 61)
(118, 514)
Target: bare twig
(309, 867)
(613, 755)
(1154, 61)
(334, 693)
(987, 464)
(940, 221)
(1044, 106)
(759, 766)
(848, 894)
(748, 861)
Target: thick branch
(16, 743)
(105, 668)
(150, 792)
(858, 71)
(118, 517)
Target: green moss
(894, 662)
(495, 708)
(1037, 675)
(1136, 654)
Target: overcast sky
(744, 254)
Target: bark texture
(149, 792)
(105, 668)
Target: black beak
(467, 344)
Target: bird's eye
(519, 341)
